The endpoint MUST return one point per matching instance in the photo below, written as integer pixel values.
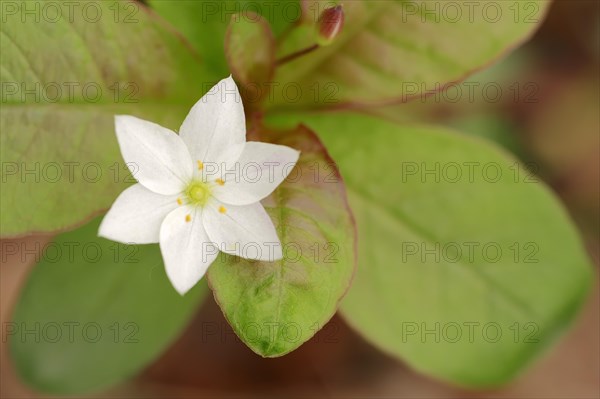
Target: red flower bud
(330, 25)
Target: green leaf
(204, 23)
(391, 50)
(274, 307)
(93, 313)
(250, 49)
(454, 234)
(58, 147)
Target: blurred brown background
(555, 126)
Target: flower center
(197, 193)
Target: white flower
(198, 191)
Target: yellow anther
(188, 218)
(222, 209)
(179, 201)
(220, 182)
(200, 165)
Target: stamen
(222, 209)
(188, 218)
(220, 182)
(179, 201)
(200, 165)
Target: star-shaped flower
(198, 192)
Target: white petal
(185, 247)
(136, 216)
(215, 128)
(246, 231)
(156, 156)
(257, 173)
